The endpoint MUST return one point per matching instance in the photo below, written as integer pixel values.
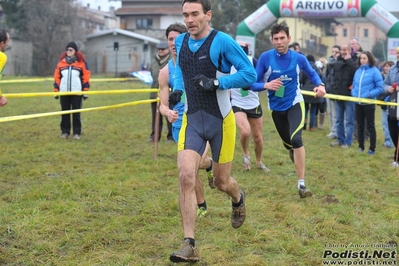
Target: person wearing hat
(160, 60)
(71, 75)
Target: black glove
(204, 83)
(175, 97)
(85, 97)
(56, 97)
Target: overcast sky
(390, 5)
(104, 4)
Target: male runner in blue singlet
(204, 59)
(278, 72)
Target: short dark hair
(337, 46)
(389, 63)
(3, 36)
(276, 28)
(206, 4)
(178, 27)
(371, 58)
(295, 44)
(310, 58)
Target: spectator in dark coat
(341, 83)
(311, 102)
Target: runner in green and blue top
(204, 59)
(278, 72)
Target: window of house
(144, 23)
(366, 33)
(345, 32)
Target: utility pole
(116, 49)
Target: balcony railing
(316, 47)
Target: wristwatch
(216, 83)
(322, 84)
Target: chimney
(88, 5)
(99, 7)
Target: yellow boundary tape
(52, 79)
(21, 117)
(309, 93)
(18, 95)
(52, 94)
(350, 99)
(39, 94)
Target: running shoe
(239, 213)
(263, 167)
(187, 253)
(210, 179)
(304, 192)
(201, 212)
(246, 161)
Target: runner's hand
(3, 101)
(175, 97)
(273, 85)
(204, 83)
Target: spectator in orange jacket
(71, 75)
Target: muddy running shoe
(239, 213)
(201, 212)
(187, 253)
(292, 155)
(210, 179)
(246, 161)
(304, 192)
(263, 167)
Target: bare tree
(49, 25)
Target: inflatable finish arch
(272, 10)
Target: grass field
(104, 201)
